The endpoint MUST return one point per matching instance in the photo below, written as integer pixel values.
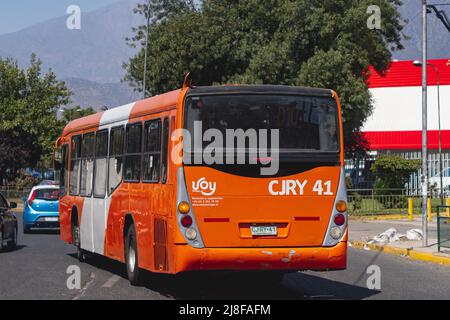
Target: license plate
(264, 230)
(51, 219)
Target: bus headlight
(191, 234)
(336, 233)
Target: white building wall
(400, 109)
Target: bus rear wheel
(131, 256)
(81, 254)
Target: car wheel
(1, 240)
(81, 254)
(26, 230)
(12, 244)
(131, 256)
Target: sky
(18, 14)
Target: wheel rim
(76, 236)
(131, 258)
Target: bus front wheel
(131, 256)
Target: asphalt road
(37, 270)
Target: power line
(440, 14)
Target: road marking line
(111, 281)
(85, 287)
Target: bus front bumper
(304, 258)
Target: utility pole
(424, 126)
(146, 50)
(441, 160)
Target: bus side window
(64, 170)
(87, 164)
(133, 155)
(165, 150)
(152, 151)
(115, 165)
(101, 154)
(75, 159)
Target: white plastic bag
(414, 235)
(388, 236)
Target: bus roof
(259, 89)
(168, 100)
(126, 112)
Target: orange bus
(134, 190)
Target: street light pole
(441, 160)
(146, 50)
(424, 127)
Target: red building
(395, 127)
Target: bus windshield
(305, 123)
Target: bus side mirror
(57, 159)
(13, 205)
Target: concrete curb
(403, 252)
(386, 217)
(379, 217)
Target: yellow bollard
(448, 209)
(410, 209)
(429, 210)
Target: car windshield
(46, 194)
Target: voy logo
(204, 187)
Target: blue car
(41, 209)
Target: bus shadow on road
(221, 285)
(314, 287)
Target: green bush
(25, 181)
(393, 172)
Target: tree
(29, 101)
(393, 172)
(320, 43)
(75, 113)
(16, 152)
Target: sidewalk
(361, 231)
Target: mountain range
(90, 60)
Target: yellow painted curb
(413, 254)
(380, 217)
(385, 217)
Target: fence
(393, 201)
(360, 202)
(443, 227)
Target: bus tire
(81, 254)
(131, 256)
(12, 244)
